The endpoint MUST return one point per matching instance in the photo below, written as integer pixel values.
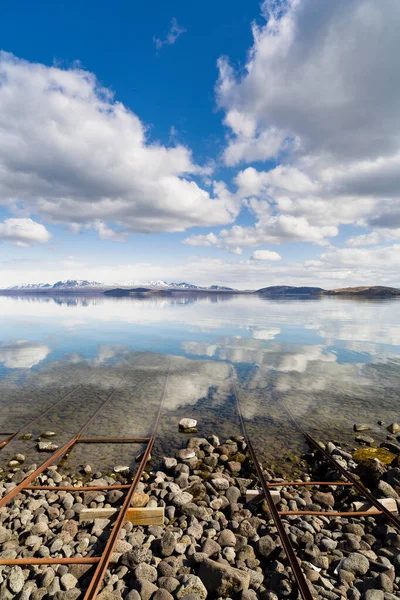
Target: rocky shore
(214, 543)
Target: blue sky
(245, 144)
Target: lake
(332, 361)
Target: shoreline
(213, 543)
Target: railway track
(102, 561)
(276, 515)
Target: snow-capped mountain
(30, 286)
(59, 285)
(79, 284)
(76, 283)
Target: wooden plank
(137, 516)
(389, 503)
(258, 495)
(146, 516)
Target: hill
(288, 290)
(373, 291)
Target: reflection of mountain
(23, 354)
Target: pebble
(48, 434)
(139, 500)
(393, 428)
(68, 581)
(16, 579)
(188, 425)
(121, 469)
(46, 446)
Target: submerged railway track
(101, 563)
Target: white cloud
(23, 232)
(174, 32)
(319, 93)
(105, 233)
(319, 72)
(74, 155)
(266, 255)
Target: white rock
(185, 424)
(121, 469)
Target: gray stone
(265, 545)
(146, 571)
(186, 454)
(324, 498)
(393, 428)
(71, 594)
(249, 595)
(220, 483)
(232, 494)
(169, 463)
(191, 584)
(361, 427)
(374, 595)
(109, 595)
(356, 563)
(135, 557)
(46, 446)
(68, 581)
(365, 439)
(145, 588)
(163, 595)
(5, 535)
(167, 544)
(16, 579)
(223, 579)
(210, 547)
(227, 539)
(168, 583)
(182, 498)
(133, 595)
(386, 489)
(47, 577)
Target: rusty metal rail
(101, 568)
(381, 509)
(102, 561)
(286, 543)
(59, 453)
(11, 436)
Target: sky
(246, 144)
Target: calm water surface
(333, 361)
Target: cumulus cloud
(266, 255)
(23, 232)
(174, 32)
(319, 93)
(319, 73)
(73, 154)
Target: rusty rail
(59, 453)
(349, 476)
(11, 436)
(94, 586)
(287, 545)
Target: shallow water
(333, 361)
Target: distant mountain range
(146, 288)
(80, 284)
